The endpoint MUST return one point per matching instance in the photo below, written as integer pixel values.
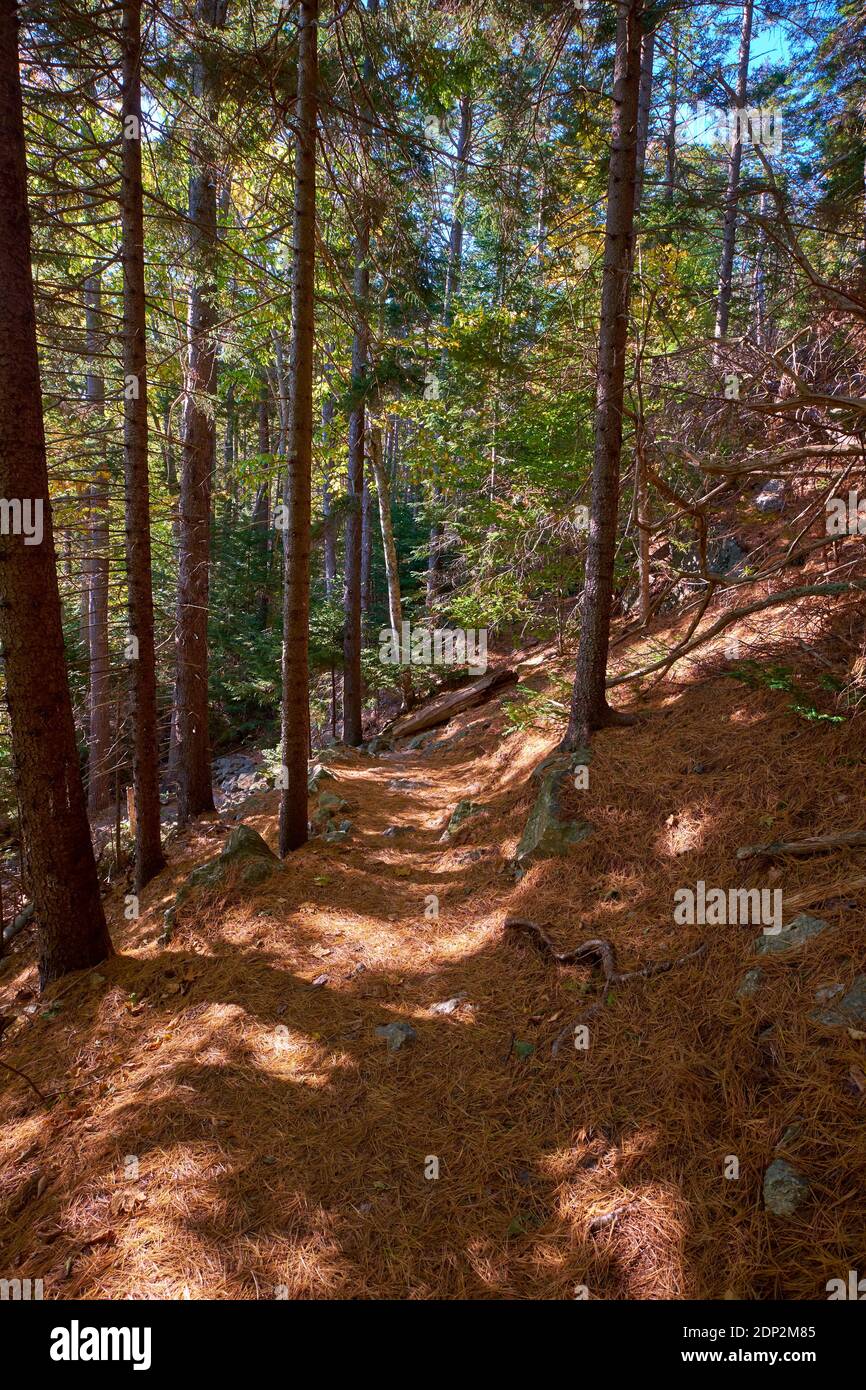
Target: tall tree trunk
(96, 569)
(62, 871)
(149, 857)
(195, 792)
(644, 521)
(168, 446)
(455, 240)
(330, 533)
(298, 485)
(641, 492)
(366, 551)
(644, 110)
(732, 194)
(262, 506)
(352, 586)
(352, 694)
(671, 162)
(229, 441)
(264, 418)
(760, 287)
(389, 546)
(589, 707)
(452, 286)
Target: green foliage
(530, 709)
(781, 678)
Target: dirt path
(231, 1124)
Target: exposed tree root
(595, 949)
(24, 1077)
(599, 949)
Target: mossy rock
(378, 745)
(546, 833)
(461, 813)
(750, 983)
(421, 740)
(244, 847)
(337, 835)
(328, 805)
(318, 774)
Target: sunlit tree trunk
(589, 708)
(644, 110)
(392, 567)
(195, 793)
(96, 567)
(452, 286)
(330, 535)
(352, 693)
(296, 593)
(366, 551)
(353, 561)
(641, 499)
(671, 161)
(261, 518)
(732, 194)
(149, 857)
(61, 867)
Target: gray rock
(461, 813)
(546, 834)
(244, 846)
(558, 761)
(828, 992)
(448, 1006)
(396, 1034)
(771, 498)
(328, 805)
(849, 1012)
(318, 774)
(439, 743)
(230, 767)
(750, 983)
(790, 938)
(421, 740)
(394, 830)
(724, 556)
(785, 1189)
(338, 750)
(337, 835)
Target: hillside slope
(224, 1119)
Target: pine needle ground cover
(223, 1119)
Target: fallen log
(814, 844)
(444, 707)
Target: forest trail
(227, 1123)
